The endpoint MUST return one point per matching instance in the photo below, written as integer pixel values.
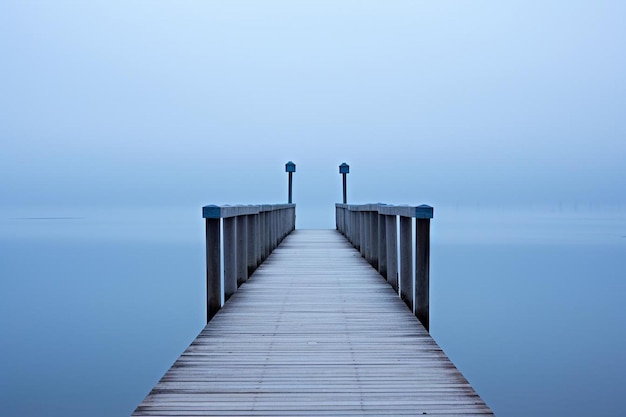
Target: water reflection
(95, 305)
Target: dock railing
(373, 229)
(243, 237)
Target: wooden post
(406, 261)
(290, 168)
(374, 238)
(258, 245)
(392, 251)
(251, 238)
(362, 233)
(382, 245)
(366, 236)
(282, 221)
(272, 224)
(357, 228)
(354, 228)
(213, 268)
(274, 215)
(344, 169)
(230, 257)
(422, 267)
(266, 235)
(242, 250)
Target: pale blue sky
(195, 102)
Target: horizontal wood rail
(373, 230)
(250, 233)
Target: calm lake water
(95, 305)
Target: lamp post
(290, 168)
(343, 170)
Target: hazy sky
(196, 102)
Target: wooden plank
(315, 331)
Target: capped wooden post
(344, 169)
(355, 228)
(406, 261)
(290, 168)
(382, 245)
(266, 235)
(362, 232)
(258, 239)
(230, 257)
(422, 266)
(242, 250)
(213, 267)
(251, 243)
(373, 215)
(365, 238)
(392, 251)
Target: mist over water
(95, 305)
(120, 119)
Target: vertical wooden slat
(422, 274)
(274, 233)
(406, 260)
(213, 268)
(366, 236)
(356, 227)
(230, 257)
(250, 242)
(242, 250)
(382, 245)
(266, 235)
(392, 251)
(362, 235)
(258, 246)
(374, 238)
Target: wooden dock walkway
(316, 331)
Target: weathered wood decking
(315, 331)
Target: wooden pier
(315, 328)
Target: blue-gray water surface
(95, 305)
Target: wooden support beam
(422, 274)
(242, 250)
(392, 251)
(213, 267)
(230, 257)
(406, 261)
(382, 245)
